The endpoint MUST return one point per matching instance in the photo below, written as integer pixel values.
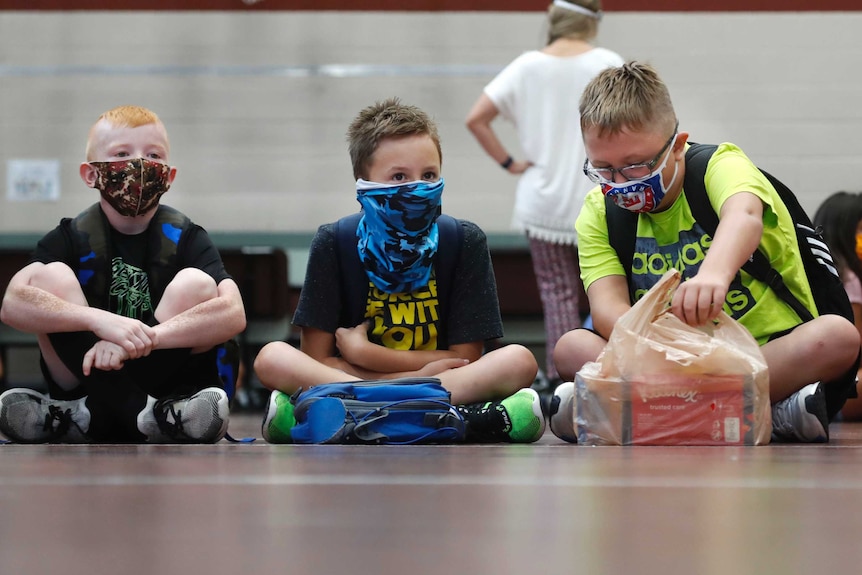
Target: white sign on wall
(33, 180)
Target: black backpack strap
(451, 237)
(696, 160)
(622, 234)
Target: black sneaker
(516, 419)
(198, 418)
(27, 416)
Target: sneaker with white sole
(278, 419)
(802, 417)
(516, 419)
(199, 418)
(561, 413)
(27, 416)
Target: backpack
(826, 287)
(380, 412)
(354, 279)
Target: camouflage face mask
(132, 187)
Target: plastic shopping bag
(659, 381)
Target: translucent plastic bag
(659, 381)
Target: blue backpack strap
(352, 274)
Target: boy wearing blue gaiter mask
(637, 156)
(395, 150)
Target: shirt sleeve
(474, 312)
(596, 257)
(202, 254)
(502, 90)
(53, 247)
(853, 287)
(320, 300)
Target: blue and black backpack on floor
(380, 412)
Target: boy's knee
(58, 279)
(270, 361)
(521, 363)
(527, 361)
(195, 280)
(189, 288)
(840, 336)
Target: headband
(578, 9)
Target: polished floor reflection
(546, 508)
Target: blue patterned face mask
(397, 235)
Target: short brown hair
(565, 23)
(384, 120)
(630, 96)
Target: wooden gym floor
(545, 508)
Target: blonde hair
(565, 23)
(389, 118)
(630, 96)
(125, 117)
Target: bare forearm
(489, 141)
(738, 235)
(377, 358)
(206, 324)
(34, 310)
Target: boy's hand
(135, 337)
(105, 356)
(699, 299)
(350, 342)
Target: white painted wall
(257, 112)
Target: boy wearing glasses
(636, 155)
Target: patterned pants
(558, 278)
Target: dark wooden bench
(520, 303)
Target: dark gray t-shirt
(406, 321)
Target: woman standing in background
(539, 92)
(840, 218)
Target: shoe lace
(64, 422)
(173, 429)
(485, 421)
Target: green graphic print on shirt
(130, 290)
(405, 321)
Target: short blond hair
(385, 119)
(565, 23)
(630, 96)
(125, 117)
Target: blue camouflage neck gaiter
(397, 234)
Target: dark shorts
(163, 373)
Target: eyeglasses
(632, 172)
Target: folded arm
(371, 361)
(206, 324)
(29, 306)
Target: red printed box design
(690, 410)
